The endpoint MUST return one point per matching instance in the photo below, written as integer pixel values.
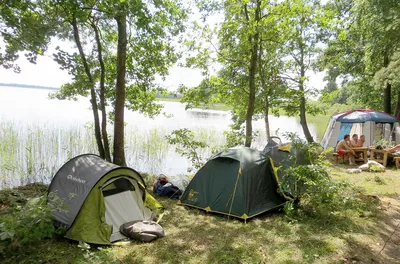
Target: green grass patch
(374, 183)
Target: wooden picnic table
(363, 151)
(379, 155)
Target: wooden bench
(397, 162)
(337, 156)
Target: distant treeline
(29, 86)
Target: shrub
(27, 225)
(187, 146)
(314, 191)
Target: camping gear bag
(145, 231)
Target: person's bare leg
(351, 156)
(351, 159)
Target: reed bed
(33, 153)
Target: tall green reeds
(34, 153)
(31, 153)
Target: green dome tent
(96, 197)
(238, 182)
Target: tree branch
(287, 77)
(294, 57)
(225, 58)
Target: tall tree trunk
(93, 100)
(119, 152)
(252, 79)
(266, 91)
(104, 133)
(303, 120)
(387, 92)
(387, 98)
(397, 110)
(266, 119)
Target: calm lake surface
(39, 135)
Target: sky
(46, 72)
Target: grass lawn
(362, 231)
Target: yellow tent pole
(234, 190)
(277, 181)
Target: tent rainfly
(239, 182)
(373, 124)
(96, 197)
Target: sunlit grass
(375, 183)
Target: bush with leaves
(234, 137)
(309, 183)
(27, 225)
(308, 167)
(187, 146)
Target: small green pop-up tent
(240, 182)
(96, 197)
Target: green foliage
(27, 225)
(17, 197)
(93, 27)
(384, 143)
(96, 255)
(22, 29)
(378, 179)
(315, 192)
(187, 146)
(364, 40)
(234, 138)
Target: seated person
(343, 148)
(354, 141)
(361, 141)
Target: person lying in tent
(343, 148)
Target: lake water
(58, 130)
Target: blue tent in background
(362, 116)
(373, 124)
